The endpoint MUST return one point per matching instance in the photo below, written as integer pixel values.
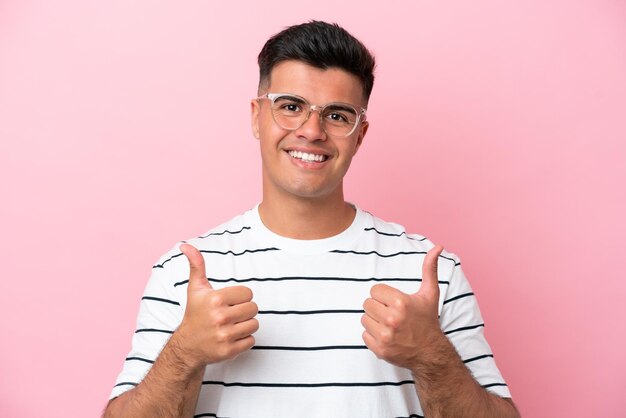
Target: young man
(312, 307)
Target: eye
(291, 107)
(337, 117)
(339, 114)
(288, 105)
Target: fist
(399, 326)
(218, 324)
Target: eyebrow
(291, 97)
(341, 106)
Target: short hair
(321, 45)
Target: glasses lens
(339, 119)
(290, 112)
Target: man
(312, 307)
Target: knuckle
(400, 303)
(220, 318)
(393, 321)
(386, 337)
(222, 336)
(216, 299)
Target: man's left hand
(398, 326)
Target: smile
(309, 158)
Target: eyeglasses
(290, 112)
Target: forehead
(317, 85)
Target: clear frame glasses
(290, 112)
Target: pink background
(496, 129)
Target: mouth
(307, 157)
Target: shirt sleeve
(160, 313)
(462, 322)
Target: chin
(313, 192)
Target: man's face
(286, 175)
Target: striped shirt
(309, 359)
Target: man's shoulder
(382, 228)
(219, 236)
(395, 234)
(234, 226)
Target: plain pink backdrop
(497, 129)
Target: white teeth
(305, 156)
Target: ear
(255, 109)
(362, 131)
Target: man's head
(321, 45)
(315, 82)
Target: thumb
(430, 281)
(197, 271)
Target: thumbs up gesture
(397, 325)
(218, 324)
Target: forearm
(446, 388)
(170, 389)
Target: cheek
(270, 145)
(266, 119)
(349, 149)
(269, 131)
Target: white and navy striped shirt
(309, 359)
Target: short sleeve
(160, 313)
(462, 322)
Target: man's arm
(170, 389)
(217, 326)
(404, 330)
(446, 388)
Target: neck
(306, 218)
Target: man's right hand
(218, 324)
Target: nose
(312, 129)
